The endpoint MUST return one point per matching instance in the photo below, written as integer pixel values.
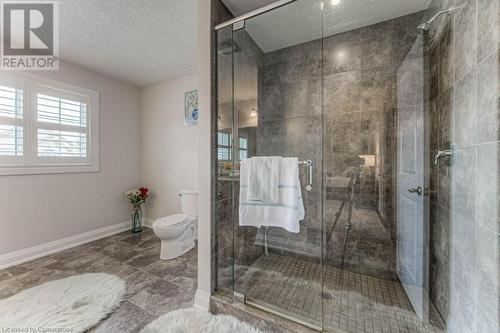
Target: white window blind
(243, 148)
(11, 120)
(47, 126)
(62, 126)
(223, 146)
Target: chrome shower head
(426, 26)
(423, 28)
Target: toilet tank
(189, 202)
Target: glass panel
(11, 115)
(375, 114)
(11, 102)
(51, 109)
(396, 105)
(277, 110)
(56, 143)
(11, 140)
(224, 178)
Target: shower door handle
(417, 190)
(309, 165)
(310, 185)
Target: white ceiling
(303, 20)
(136, 41)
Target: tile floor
(358, 303)
(154, 287)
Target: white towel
(263, 178)
(287, 212)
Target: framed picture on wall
(191, 107)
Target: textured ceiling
(136, 41)
(303, 20)
(240, 7)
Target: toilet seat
(171, 221)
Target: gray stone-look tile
(120, 251)
(444, 185)
(137, 282)
(5, 275)
(303, 137)
(487, 100)
(464, 255)
(139, 238)
(111, 255)
(488, 274)
(446, 60)
(342, 92)
(488, 186)
(465, 36)
(440, 259)
(405, 41)
(342, 132)
(376, 90)
(162, 296)
(376, 45)
(373, 131)
(487, 29)
(434, 125)
(342, 52)
(465, 110)
(434, 73)
(129, 318)
(462, 311)
(145, 257)
(445, 127)
(485, 323)
(410, 82)
(464, 188)
(147, 287)
(271, 138)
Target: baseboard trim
(34, 252)
(148, 223)
(202, 300)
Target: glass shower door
(277, 111)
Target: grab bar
(309, 164)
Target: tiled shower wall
(464, 221)
(359, 96)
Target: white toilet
(178, 232)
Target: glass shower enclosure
(349, 89)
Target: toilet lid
(170, 221)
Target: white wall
(204, 30)
(36, 209)
(169, 148)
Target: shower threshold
(269, 308)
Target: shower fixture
(425, 27)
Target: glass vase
(136, 217)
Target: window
(11, 120)
(47, 126)
(243, 148)
(223, 146)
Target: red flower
(144, 191)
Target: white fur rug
(75, 303)
(194, 320)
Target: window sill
(46, 169)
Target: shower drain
(325, 295)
